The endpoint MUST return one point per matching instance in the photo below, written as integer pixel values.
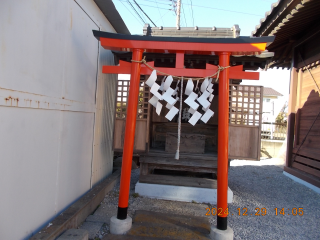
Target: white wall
(272, 108)
(50, 145)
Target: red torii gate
(223, 47)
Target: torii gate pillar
(132, 108)
(223, 136)
(122, 223)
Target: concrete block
(271, 148)
(118, 226)
(74, 234)
(217, 234)
(92, 227)
(180, 193)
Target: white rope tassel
(179, 121)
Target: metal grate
(122, 98)
(245, 105)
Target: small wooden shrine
(204, 147)
(156, 136)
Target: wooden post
(293, 90)
(297, 128)
(299, 90)
(290, 137)
(223, 135)
(129, 135)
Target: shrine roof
(197, 32)
(188, 45)
(100, 34)
(291, 22)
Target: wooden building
(156, 137)
(296, 27)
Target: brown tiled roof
(270, 92)
(287, 20)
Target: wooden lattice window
(122, 98)
(245, 105)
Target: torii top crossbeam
(207, 46)
(223, 47)
(181, 46)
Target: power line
(144, 12)
(154, 7)
(184, 16)
(163, 15)
(136, 11)
(131, 12)
(174, 5)
(159, 12)
(146, 5)
(219, 9)
(192, 13)
(160, 2)
(141, 12)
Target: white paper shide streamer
(203, 97)
(204, 100)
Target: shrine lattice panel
(122, 99)
(245, 105)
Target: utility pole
(178, 14)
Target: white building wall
(272, 108)
(50, 145)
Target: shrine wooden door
(245, 113)
(141, 132)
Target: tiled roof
(201, 32)
(270, 92)
(287, 20)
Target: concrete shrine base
(180, 193)
(216, 234)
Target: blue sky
(207, 13)
(203, 13)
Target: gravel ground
(254, 185)
(263, 185)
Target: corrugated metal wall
(56, 110)
(104, 120)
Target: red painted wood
(234, 72)
(223, 134)
(130, 129)
(187, 47)
(180, 59)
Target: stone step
(155, 225)
(186, 156)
